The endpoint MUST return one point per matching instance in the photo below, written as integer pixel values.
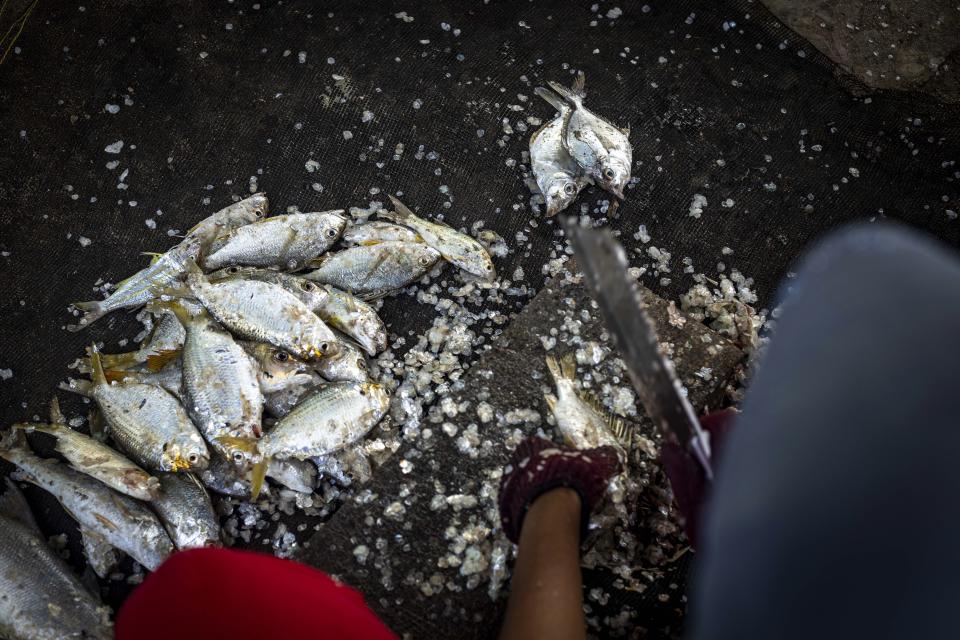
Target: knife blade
(604, 264)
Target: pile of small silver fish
(256, 368)
(577, 148)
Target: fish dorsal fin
(14, 506)
(565, 131)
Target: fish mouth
(553, 209)
(619, 193)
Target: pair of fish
(387, 259)
(577, 148)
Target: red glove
(690, 486)
(538, 465)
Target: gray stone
(886, 45)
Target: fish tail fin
(579, 84)
(402, 213)
(73, 385)
(96, 364)
(56, 415)
(92, 310)
(160, 359)
(574, 95)
(568, 365)
(563, 369)
(555, 101)
(120, 360)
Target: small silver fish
(603, 150)
(338, 309)
(457, 248)
(221, 389)
(376, 231)
(186, 511)
(147, 423)
(97, 460)
(558, 175)
(277, 369)
(335, 416)
(286, 241)
(264, 312)
(121, 521)
(580, 423)
(42, 598)
(166, 268)
(375, 270)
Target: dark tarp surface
(722, 100)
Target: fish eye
(569, 189)
(306, 286)
(608, 174)
(361, 364)
(489, 267)
(258, 212)
(424, 260)
(233, 269)
(324, 346)
(331, 233)
(238, 456)
(281, 356)
(193, 458)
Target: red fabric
(224, 593)
(690, 487)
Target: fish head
(312, 294)
(279, 369)
(246, 211)
(323, 349)
(231, 273)
(560, 193)
(332, 226)
(614, 175)
(185, 453)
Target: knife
(604, 264)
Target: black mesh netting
(723, 101)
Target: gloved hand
(690, 486)
(538, 465)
